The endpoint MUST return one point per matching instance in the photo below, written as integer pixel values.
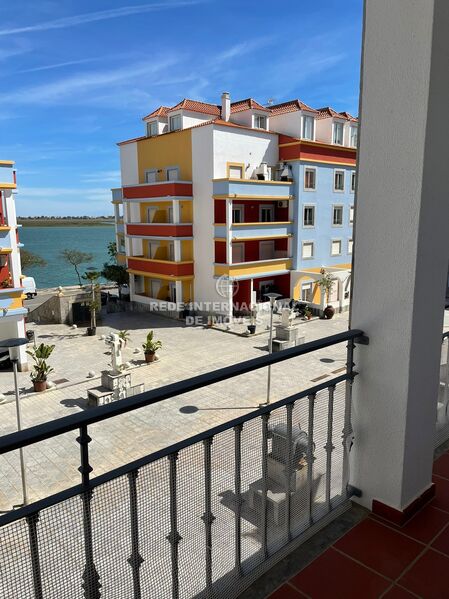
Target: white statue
(287, 316)
(116, 344)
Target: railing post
(35, 561)
(208, 517)
(265, 418)
(135, 560)
(238, 497)
(174, 537)
(310, 456)
(446, 382)
(91, 578)
(329, 447)
(347, 433)
(289, 471)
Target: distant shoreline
(64, 222)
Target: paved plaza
(187, 351)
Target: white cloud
(59, 65)
(93, 194)
(102, 177)
(74, 87)
(101, 15)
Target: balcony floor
(375, 558)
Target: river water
(48, 242)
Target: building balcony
(117, 195)
(7, 175)
(155, 527)
(158, 191)
(258, 230)
(167, 268)
(243, 270)
(252, 189)
(160, 230)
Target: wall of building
(203, 148)
(128, 164)
(248, 147)
(288, 123)
(171, 149)
(323, 198)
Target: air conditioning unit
(282, 204)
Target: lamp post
(272, 297)
(13, 345)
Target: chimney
(225, 106)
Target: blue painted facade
(323, 198)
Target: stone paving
(187, 351)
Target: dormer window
(308, 126)
(152, 129)
(175, 122)
(353, 136)
(260, 121)
(338, 134)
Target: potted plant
(150, 347)
(41, 369)
(307, 312)
(252, 325)
(124, 336)
(326, 283)
(94, 305)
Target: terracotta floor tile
(424, 526)
(442, 542)
(441, 499)
(333, 575)
(379, 547)
(428, 577)
(398, 593)
(286, 592)
(441, 466)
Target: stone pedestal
(287, 337)
(117, 383)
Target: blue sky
(78, 75)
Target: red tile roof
(327, 112)
(290, 106)
(161, 111)
(196, 106)
(248, 104)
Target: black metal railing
(201, 518)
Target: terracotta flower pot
(150, 356)
(39, 386)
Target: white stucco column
(176, 212)
(228, 231)
(401, 246)
(177, 250)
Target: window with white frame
(173, 173)
(266, 249)
(308, 249)
(337, 216)
(350, 244)
(237, 214)
(351, 215)
(353, 181)
(175, 122)
(338, 134)
(152, 128)
(150, 176)
(339, 180)
(307, 292)
(309, 178)
(309, 216)
(308, 126)
(353, 136)
(235, 171)
(153, 248)
(260, 121)
(336, 247)
(266, 213)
